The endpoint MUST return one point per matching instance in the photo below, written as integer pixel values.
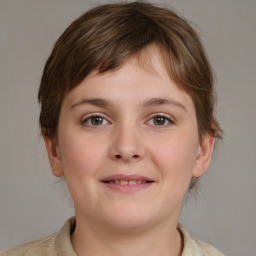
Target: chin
(129, 218)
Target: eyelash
(90, 118)
(165, 117)
(87, 121)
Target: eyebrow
(161, 101)
(95, 102)
(147, 103)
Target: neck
(92, 240)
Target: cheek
(80, 159)
(79, 155)
(175, 157)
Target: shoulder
(43, 246)
(207, 249)
(196, 247)
(52, 245)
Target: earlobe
(53, 156)
(204, 155)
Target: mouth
(127, 183)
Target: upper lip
(126, 177)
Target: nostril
(134, 156)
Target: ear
(204, 155)
(53, 156)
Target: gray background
(33, 205)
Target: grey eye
(97, 120)
(159, 120)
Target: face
(128, 146)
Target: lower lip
(128, 188)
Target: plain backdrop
(33, 205)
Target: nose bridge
(127, 141)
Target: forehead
(150, 60)
(142, 78)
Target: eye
(95, 120)
(160, 120)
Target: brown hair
(105, 37)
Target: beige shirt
(59, 244)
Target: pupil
(159, 120)
(97, 120)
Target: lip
(145, 183)
(126, 177)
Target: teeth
(126, 182)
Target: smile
(127, 183)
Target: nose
(127, 144)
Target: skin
(135, 134)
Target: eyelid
(86, 117)
(167, 116)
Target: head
(106, 37)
